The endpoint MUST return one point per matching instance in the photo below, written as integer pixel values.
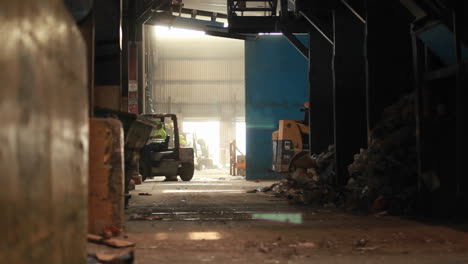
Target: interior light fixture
(270, 34)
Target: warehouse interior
(203, 85)
(233, 131)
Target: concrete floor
(210, 220)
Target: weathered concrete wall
(106, 175)
(43, 134)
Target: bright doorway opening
(209, 132)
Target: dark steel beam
(297, 43)
(230, 35)
(125, 26)
(349, 90)
(418, 69)
(384, 58)
(320, 93)
(107, 70)
(320, 30)
(459, 101)
(156, 5)
(189, 11)
(87, 31)
(345, 3)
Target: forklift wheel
(186, 171)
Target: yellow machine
(290, 145)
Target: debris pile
(109, 250)
(309, 186)
(383, 177)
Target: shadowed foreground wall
(43, 134)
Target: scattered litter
(327, 244)
(265, 189)
(361, 242)
(112, 242)
(250, 244)
(126, 257)
(137, 179)
(90, 259)
(117, 243)
(145, 217)
(111, 231)
(131, 185)
(311, 186)
(145, 194)
(380, 204)
(264, 249)
(306, 245)
(384, 213)
(363, 249)
(95, 238)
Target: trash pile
(309, 186)
(110, 250)
(383, 177)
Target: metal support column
(388, 62)
(320, 93)
(418, 65)
(87, 31)
(125, 24)
(461, 76)
(349, 92)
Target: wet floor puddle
(285, 217)
(188, 236)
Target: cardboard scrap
(111, 242)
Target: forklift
(166, 158)
(291, 144)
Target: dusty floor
(213, 220)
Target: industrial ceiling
(218, 6)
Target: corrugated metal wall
(199, 77)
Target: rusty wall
(107, 96)
(43, 134)
(106, 175)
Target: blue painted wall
(276, 84)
